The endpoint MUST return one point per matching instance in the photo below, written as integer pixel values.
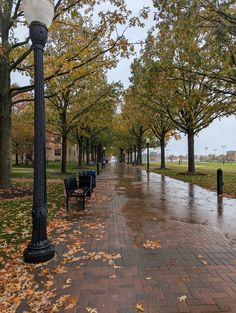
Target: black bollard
(220, 182)
(98, 169)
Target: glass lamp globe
(147, 140)
(39, 11)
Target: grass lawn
(15, 208)
(53, 170)
(208, 180)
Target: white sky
(219, 133)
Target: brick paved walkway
(194, 260)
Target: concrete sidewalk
(140, 246)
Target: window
(57, 152)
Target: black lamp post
(39, 15)
(103, 157)
(147, 142)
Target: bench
(77, 189)
(90, 173)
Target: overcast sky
(218, 134)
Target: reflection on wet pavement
(155, 197)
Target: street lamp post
(206, 148)
(223, 150)
(147, 142)
(103, 157)
(214, 150)
(39, 15)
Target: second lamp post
(147, 142)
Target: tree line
(183, 79)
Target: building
(54, 150)
(231, 156)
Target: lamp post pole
(206, 148)
(223, 149)
(40, 248)
(103, 157)
(147, 142)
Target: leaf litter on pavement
(35, 285)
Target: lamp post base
(39, 252)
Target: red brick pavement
(194, 260)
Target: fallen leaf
(113, 276)
(155, 244)
(49, 284)
(139, 307)
(60, 270)
(91, 310)
(148, 278)
(71, 303)
(182, 298)
(116, 266)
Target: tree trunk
(83, 155)
(139, 147)
(17, 158)
(80, 154)
(121, 155)
(92, 153)
(191, 162)
(128, 156)
(135, 155)
(5, 123)
(64, 154)
(87, 152)
(131, 156)
(162, 142)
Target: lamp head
(39, 11)
(147, 140)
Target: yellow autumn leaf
(71, 303)
(152, 244)
(49, 284)
(60, 270)
(139, 307)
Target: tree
(71, 106)
(14, 54)
(147, 90)
(134, 119)
(94, 130)
(22, 130)
(180, 56)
